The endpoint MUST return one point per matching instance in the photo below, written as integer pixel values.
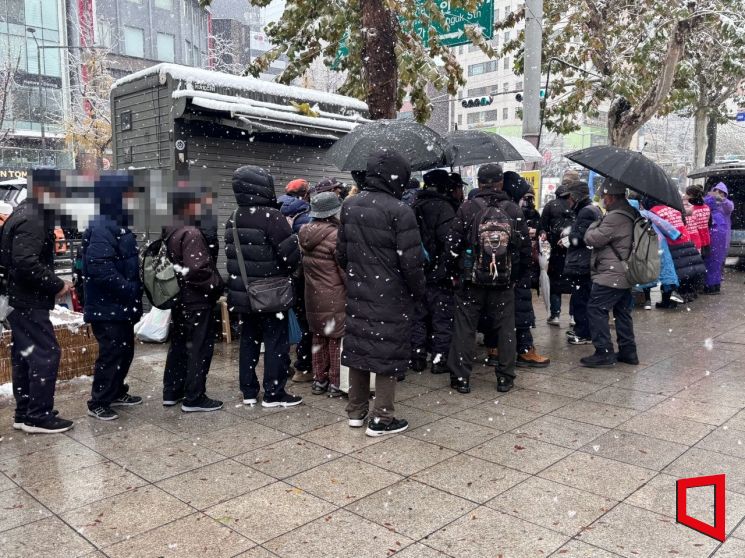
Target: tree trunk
(711, 141)
(700, 120)
(380, 67)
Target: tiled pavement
(573, 463)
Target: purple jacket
(720, 212)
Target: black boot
(599, 360)
(418, 363)
(462, 385)
(440, 367)
(627, 358)
(504, 383)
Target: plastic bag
(544, 254)
(154, 326)
(344, 375)
(293, 325)
(5, 307)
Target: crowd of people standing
(384, 279)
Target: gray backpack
(159, 277)
(643, 264)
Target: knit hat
(50, 179)
(722, 187)
(324, 205)
(327, 185)
(570, 176)
(579, 190)
(613, 188)
(437, 179)
(297, 186)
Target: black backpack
(429, 242)
(159, 276)
(492, 240)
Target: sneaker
(440, 367)
(666, 305)
(532, 359)
(334, 391)
(461, 385)
(492, 357)
(648, 305)
(18, 420)
(126, 400)
(572, 323)
(203, 405)
(675, 297)
(103, 413)
(505, 383)
(628, 358)
(250, 401)
(53, 425)
(283, 400)
(358, 422)
(172, 401)
(554, 321)
(319, 388)
(302, 376)
(577, 340)
(570, 333)
(377, 428)
(599, 360)
(418, 364)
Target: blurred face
(719, 194)
(458, 193)
(607, 200)
(129, 202)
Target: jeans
(359, 396)
(116, 349)
(35, 357)
(190, 355)
(602, 301)
(273, 332)
(580, 299)
(555, 304)
(499, 307)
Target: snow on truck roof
(250, 84)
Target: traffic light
(477, 102)
(541, 94)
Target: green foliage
(312, 29)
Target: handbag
(273, 294)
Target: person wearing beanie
(554, 226)
(411, 192)
(27, 253)
(721, 229)
(435, 209)
(325, 291)
(577, 265)
(294, 203)
(610, 239)
(192, 336)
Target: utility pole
(532, 71)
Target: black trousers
(602, 301)
(190, 354)
(116, 349)
(499, 308)
(433, 322)
(582, 287)
(523, 339)
(35, 356)
(273, 332)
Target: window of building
(187, 53)
(164, 4)
(196, 58)
(460, 120)
(505, 87)
(505, 113)
(506, 36)
(507, 63)
(517, 112)
(103, 33)
(478, 91)
(482, 68)
(135, 1)
(166, 47)
(496, 14)
(491, 115)
(473, 118)
(134, 42)
(474, 48)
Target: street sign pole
(532, 73)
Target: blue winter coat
(297, 210)
(664, 230)
(111, 268)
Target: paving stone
(48, 538)
(298, 420)
(600, 414)
(579, 549)
(442, 401)
(520, 452)
(635, 449)
(725, 440)
(453, 433)
(679, 430)
(499, 416)
(536, 401)
(560, 432)
(629, 398)
(18, 508)
(340, 437)
(239, 439)
(286, 458)
(697, 462)
(404, 455)
(695, 410)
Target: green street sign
(453, 35)
(457, 19)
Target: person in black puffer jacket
(380, 249)
(27, 254)
(577, 263)
(269, 249)
(435, 208)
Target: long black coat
(556, 217)
(435, 213)
(577, 262)
(688, 263)
(269, 247)
(28, 254)
(379, 248)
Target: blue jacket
(111, 265)
(297, 210)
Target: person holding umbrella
(611, 290)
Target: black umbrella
(632, 169)
(474, 147)
(418, 144)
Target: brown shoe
(300, 377)
(532, 359)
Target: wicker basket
(79, 352)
